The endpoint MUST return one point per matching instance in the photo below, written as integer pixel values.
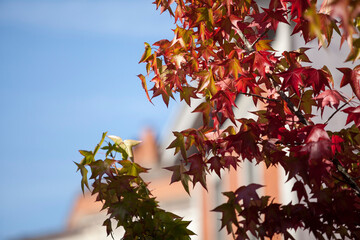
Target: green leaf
(187, 93)
(178, 144)
(116, 139)
(119, 146)
(147, 53)
(131, 168)
(84, 180)
(129, 147)
(100, 143)
(88, 157)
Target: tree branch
(259, 38)
(248, 46)
(348, 179)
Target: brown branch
(293, 109)
(348, 179)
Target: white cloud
(109, 17)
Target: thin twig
(259, 38)
(337, 110)
(302, 94)
(290, 104)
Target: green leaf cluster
(124, 194)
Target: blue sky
(68, 73)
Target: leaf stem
(337, 110)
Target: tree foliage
(222, 50)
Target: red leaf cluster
(221, 52)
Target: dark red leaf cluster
(221, 52)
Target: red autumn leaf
(317, 78)
(262, 63)
(231, 161)
(353, 115)
(329, 98)
(197, 169)
(351, 77)
(335, 144)
(298, 7)
(303, 25)
(143, 82)
(316, 134)
(244, 82)
(317, 144)
(293, 78)
(215, 164)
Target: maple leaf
(231, 161)
(132, 169)
(204, 108)
(275, 17)
(329, 98)
(298, 7)
(197, 169)
(146, 54)
(178, 144)
(245, 142)
(99, 168)
(262, 63)
(244, 82)
(335, 144)
(228, 212)
(351, 77)
(187, 93)
(303, 25)
(317, 78)
(293, 78)
(263, 45)
(179, 175)
(300, 190)
(353, 115)
(215, 164)
(317, 144)
(247, 193)
(84, 181)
